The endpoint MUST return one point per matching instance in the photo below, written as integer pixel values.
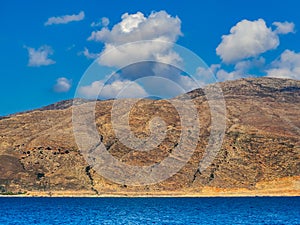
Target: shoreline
(145, 196)
(283, 187)
(136, 195)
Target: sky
(47, 46)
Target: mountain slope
(259, 156)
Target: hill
(260, 154)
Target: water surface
(259, 210)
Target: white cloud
(167, 88)
(40, 56)
(241, 69)
(103, 22)
(287, 66)
(88, 54)
(188, 84)
(246, 65)
(223, 75)
(130, 22)
(215, 73)
(65, 19)
(206, 76)
(156, 50)
(125, 88)
(62, 85)
(247, 39)
(284, 28)
(138, 38)
(135, 28)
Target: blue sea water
(258, 210)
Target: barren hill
(260, 154)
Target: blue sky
(43, 42)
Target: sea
(216, 210)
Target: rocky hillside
(260, 154)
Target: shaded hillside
(260, 153)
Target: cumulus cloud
(246, 65)
(215, 73)
(104, 21)
(135, 39)
(127, 89)
(287, 66)
(247, 39)
(241, 69)
(187, 83)
(88, 54)
(160, 27)
(205, 75)
(224, 75)
(284, 28)
(64, 19)
(62, 85)
(167, 88)
(39, 57)
(156, 50)
(137, 27)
